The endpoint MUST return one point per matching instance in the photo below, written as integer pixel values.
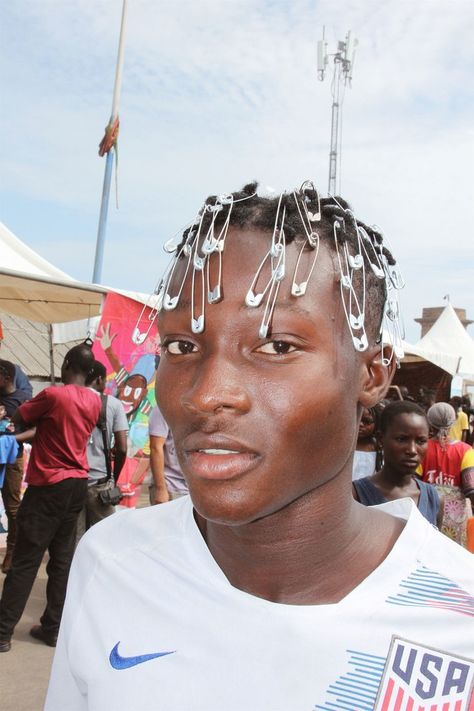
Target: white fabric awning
(447, 344)
(32, 288)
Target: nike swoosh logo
(119, 662)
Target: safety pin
(346, 280)
(300, 289)
(268, 312)
(217, 243)
(396, 277)
(277, 251)
(139, 337)
(171, 302)
(214, 295)
(312, 216)
(197, 324)
(377, 268)
(310, 234)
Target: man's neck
(74, 379)
(314, 551)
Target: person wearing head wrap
(449, 464)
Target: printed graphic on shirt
(419, 678)
(427, 588)
(357, 689)
(412, 677)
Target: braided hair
(250, 210)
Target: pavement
(25, 669)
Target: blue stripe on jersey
(358, 687)
(427, 588)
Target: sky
(219, 92)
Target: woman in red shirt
(449, 464)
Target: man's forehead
(247, 271)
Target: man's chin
(232, 509)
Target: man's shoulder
(136, 529)
(157, 424)
(433, 550)
(448, 560)
(16, 397)
(116, 415)
(113, 403)
(463, 419)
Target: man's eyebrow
(184, 304)
(281, 306)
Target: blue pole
(104, 207)
(108, 145)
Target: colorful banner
(131, 372)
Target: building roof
(26, 343)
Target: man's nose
(219, 385)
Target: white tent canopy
(32, 288)
(447, 344)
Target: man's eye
(276, 348)
(180, 347)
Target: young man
(269, 588)
(57, 486)
(94, 509)
(460, 430)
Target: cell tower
(342, 76)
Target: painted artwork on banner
(131, 370)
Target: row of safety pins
(198, 257)
(276, 258)
(353, 304)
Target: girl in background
(404, 436)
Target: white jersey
(152, 624)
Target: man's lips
(217, 458)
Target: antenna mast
(342, 75)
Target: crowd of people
(79, 447)
(434, 453)
(270, 582)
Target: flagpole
(108, 147)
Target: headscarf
(441, 416)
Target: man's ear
(379, 369)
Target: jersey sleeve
(157, 425)
(120, 422)
(33, 410)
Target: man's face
(132, 392)
(257, 422)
